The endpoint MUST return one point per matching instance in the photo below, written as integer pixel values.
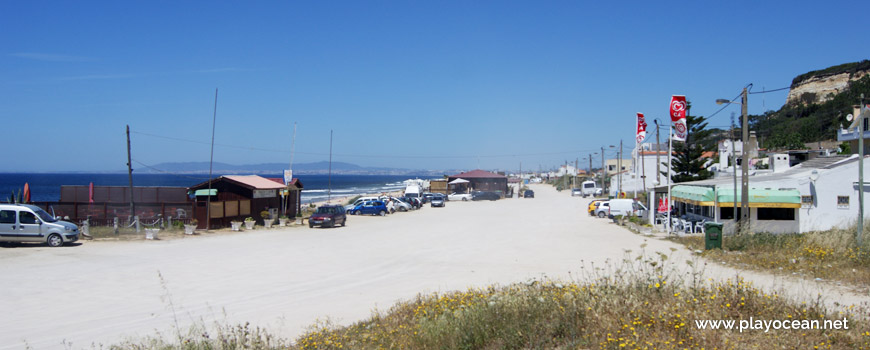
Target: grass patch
(638, 306)
(829, 255)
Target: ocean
(46, 187)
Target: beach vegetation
(639, 305)
(832, 255)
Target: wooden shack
(438, 186)
(480, 180)
(234, 198)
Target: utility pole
(862, 113)
(744, 165)
(658, 156)
(130, 174)
(619, 172)
(576, 164)
(603, 171)
(590, 164)
(734, 168)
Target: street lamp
(744, 162)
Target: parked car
(437, 201)
(603, 209)
(529, 194)
(592, 205)
(29, 223)
(625, 207)
(359, 201)
(459, 196)
(484, 195)
(577, 192)
(413, 201)
(371, 208)
(401, 205)
(426, 197)
(328, 216)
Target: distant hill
(278, 168)
(817, 105)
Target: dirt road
(101, 292)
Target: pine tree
(687, 163)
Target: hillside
(817, 105)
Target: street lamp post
(744, 161)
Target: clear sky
(409, 84)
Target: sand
(286, 279)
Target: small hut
(234, 198)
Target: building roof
(797, 171)
(249, 181)
(478, 174)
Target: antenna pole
(130, 174)
(210, 162)
(329, 191)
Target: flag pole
(670, 155)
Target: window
(843, 202)
(806, 201)
(26, 217)
(728, 213)
(7, 216)
(776, 214)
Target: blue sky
(424, 85)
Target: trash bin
(712, 235)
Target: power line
(370, 155)
(766, 91)
(168, 172)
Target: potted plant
(190, 228)
(266, 220)
(299, 218)
(236, 225)
(282, 220)
(249, 223)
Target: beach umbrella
(26, 196)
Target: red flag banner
(678, 117)
(678, 107)
(641, 128)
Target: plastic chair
(687, 226)
(699, 226)
(675, 225)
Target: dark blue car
(371, 208)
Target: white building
(816, 195)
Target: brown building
(236, 197)
(480, 180)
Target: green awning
(693, 194)
(761, 198)
(206, 192)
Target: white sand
(102, 292)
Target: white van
(590, 188)
(29, 223)
(626, 207)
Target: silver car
(29, 223)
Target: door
(29, 227)
(8, 226)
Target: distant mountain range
(314, 168)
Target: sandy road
(102, 292)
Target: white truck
(590, 188)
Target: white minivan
(626, 207)
(590, 188)
(29, 223)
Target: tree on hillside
(687, 163)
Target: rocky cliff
(820, 86)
